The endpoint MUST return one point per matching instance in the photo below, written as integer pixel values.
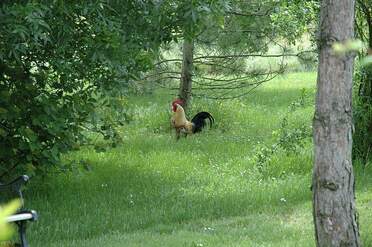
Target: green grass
(204, 190)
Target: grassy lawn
(205, 190)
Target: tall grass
(203, 190)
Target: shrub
(362, 114)
(58, 64)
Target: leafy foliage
(363, 21)
(241, 33)
(362, 145)
(362, 142)
(288, 138)
(5, 229)
(293, 18)
(58, 62)
(362, 114)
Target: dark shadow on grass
(127, 200)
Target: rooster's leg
(178, 133)
(183, 130)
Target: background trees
(243, 32)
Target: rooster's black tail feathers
(199, 121)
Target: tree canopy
(59, 60)
(242, 31)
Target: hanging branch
(160, 73)
(235, 87)
(239, 82)
(251, 14)
(231, 56)
(253, 55)
(223, 97)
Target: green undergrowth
(245, 182)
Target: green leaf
(3, 133)
(366, 61)
(3, 110)
(346, 47)
(6, 230)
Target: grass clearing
(200, 191)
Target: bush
(362, 114)
(58, 65)
(288, 138)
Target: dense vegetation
(60, 61)
(56, 61)
(363, 85)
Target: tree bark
(333, 179)
(186, 74)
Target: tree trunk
(186, 74)
(333, 179)
(366, 86)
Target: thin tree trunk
(366, 86)
(333, 179)
(186, 74)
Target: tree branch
(253, 55)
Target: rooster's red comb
(176, 101)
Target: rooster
(182, 125)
